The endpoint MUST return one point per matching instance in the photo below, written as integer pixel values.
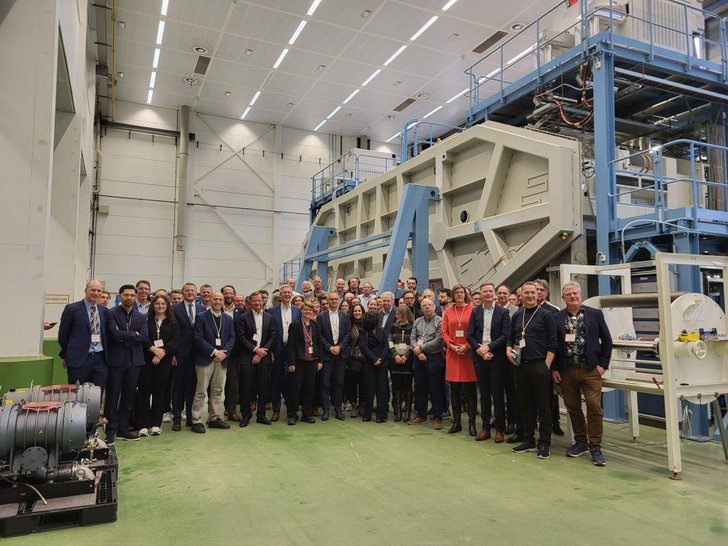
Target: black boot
(471, 427)
(397, 406)
(407, 407)
(456, 424)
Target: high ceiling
(341, 45)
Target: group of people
(344, 348)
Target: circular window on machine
(464, 216)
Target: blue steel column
(604, 155)
(318, 240)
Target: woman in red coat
(459, 369)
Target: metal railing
(410, 147)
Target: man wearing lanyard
(533, 336)
(127, 333)
(426, 341)
(585, 347)
(283, 315)
(335, 337)
(232, 377)
(487, 333)
(214, 340)
(255, 333)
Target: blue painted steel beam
(365, 240)
(318, 240)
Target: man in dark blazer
(214, 340)
(82, 337)
(255, 334)
(284, 314)
(388, 313)
(184, 376)
(584, 350)
(232, 378)
(335, 329)
(486, 334)
(128, 335)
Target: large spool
(87, 393)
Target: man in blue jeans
(428, 364)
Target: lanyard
(159, 325)
(459, 316)
(219, 330)
(306, 334)
(525, 324)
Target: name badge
(256, 337)
(159, 343)
(486, 338)
(218, 342)
(420, 340)
(459, 333)
(95, 339)
(522, 343)
(401, 348)
(310, 350)
(570, 338)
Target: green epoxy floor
(351, 482)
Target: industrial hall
(319, 272)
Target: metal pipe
(183, 157)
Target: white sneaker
(144, 432)
(156, 431)
(167, 418)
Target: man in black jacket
(585, 346)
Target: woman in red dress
(459, 368)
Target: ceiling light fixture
(353, 94)
(155, 62)
(319, 125)
(191, 81)
(245, 113)
(152, 79)
(432, 112)
(227, 93)
(149, 96)
(422, 96)
(348, 115)
(313, 7)
(521, 55)
(290, 105)
(423, 29)
(396, 83)
(255, 98)
(160, 32)
(248, 52)
(390, 117)
(321, 67)
(280, 59)
(120, 74)
(165, 5)
(364, 14)
(448, 5)
(456, 97)
(393, 136)
(396, 54)
(200, 50)
(453, 36)
(517, 27)
(298, 31)
(370, 78)
(332, 114)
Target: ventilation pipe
(183, 156)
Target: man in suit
(255, 334)
(503, 294)
(284, 314)
(128, 334)
(214, 340)
(335, 337)
(584, 350)
(387, 315)
(82, 337)
(232, 378)
(184, 375)
(542, 296)
(486, 334)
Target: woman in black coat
(303, 362)
(154, 375)
(374, 346)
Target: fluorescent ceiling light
(492, 73)
(160, 32)
(165, 4)
(152, 80)
(423, 29)
(280, 59)
(298, 31)
(370, 78)
(521, 55)
(448, 5)
(155, 62)
(456, 97)
(313, 7)
(149, 96)
(332, 114)
(435, 110)
(393, 136)
(351, 96)
(255, 98)
(319, 125)
(245, 113)
(396, 54)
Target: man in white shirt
(366, 295)
(283, 315)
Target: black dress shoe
(245, 421)
(381, 420)
(515, 439)
(471, 428)
(218, 423)
(128, 436)
(310, 420)
(292, 421)
(366, 419)
(340, 415)
(325, 416)
(199, 428)
(510, 429)
(263, 420)
(557, 430)
(456, 427)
